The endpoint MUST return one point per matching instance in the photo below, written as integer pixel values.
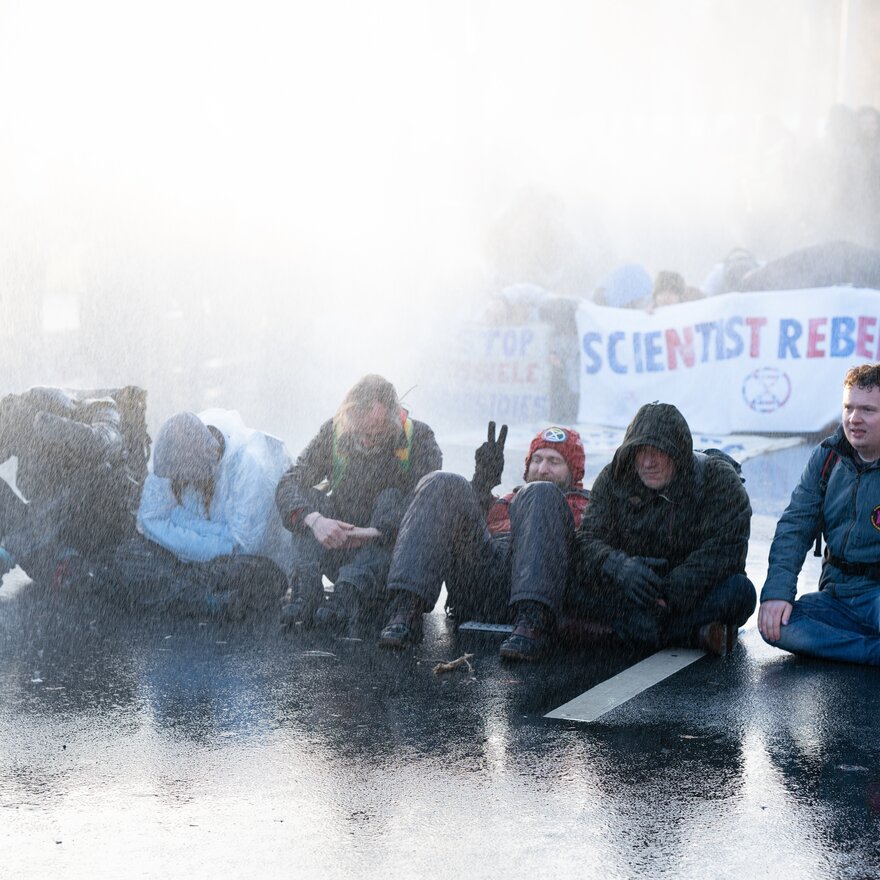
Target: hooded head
(661, 426)
(627, 287)
(186, 449)
(567, 442)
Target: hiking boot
(530, 638)
(341, 609)
(404, 627)
(713, 638)
(300, 610)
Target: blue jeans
(823, 625)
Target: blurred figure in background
(626, 287)
(344, 500)
(81, 462)
(727, 276)
(670, 289)
(212, 539)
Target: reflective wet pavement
(162, 748)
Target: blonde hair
(361, 398)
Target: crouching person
(662, 546)
(344, 499)
(81, 462)
(839, 497)
(212, 539)
(501, 558)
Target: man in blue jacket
(839, 497)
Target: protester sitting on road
(836, 498)
(495, 554)
(344, 500)
(662, 546)
(212, 539)
(81, 462)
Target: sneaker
(404, 628)
(714, 638)
(530, 638)
(341, 609)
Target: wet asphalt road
(187, 748)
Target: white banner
(498, 373)
(752, 362)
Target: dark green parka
(699, 523)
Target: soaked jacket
(242, 517)
(374, 488)
(847, 513)
(699, 523)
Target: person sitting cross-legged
(838, 496)
(343, 501)
(662, 546)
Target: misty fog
(251, 206)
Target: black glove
(489, 460)
(637, 581)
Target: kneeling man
(493, 553)
(662, 546)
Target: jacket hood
(662, 426)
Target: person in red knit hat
(502, 558)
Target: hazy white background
(253, 204)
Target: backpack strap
(830, 460)
(701, 456)
(700, 459)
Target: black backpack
(131, 401)
(701, 456)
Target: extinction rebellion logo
(766, 390)
(554, 435)
(875, 517)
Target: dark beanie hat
(567, 442)
(185, 449)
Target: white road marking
(479, 626)
(610, 694)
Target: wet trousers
(364, 568)
(730, 602)
(444, 537)
(41, 533)
(149, 576)
(834, 627)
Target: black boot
(341, 610)
(404, 627)
(530, 638)
(303, 605)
